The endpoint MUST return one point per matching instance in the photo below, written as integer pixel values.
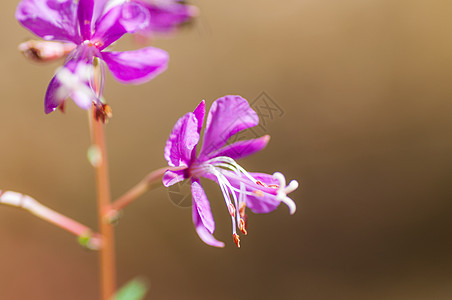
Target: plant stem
(151, 180)
(107, 252)
(43, 212)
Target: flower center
(95, 44)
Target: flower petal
(72, 80)
(51, 100)
(266, 202)
(241, 149)
(199, 112)
(227, 116)
(50, 19)
(136, 66)
(85, 16)
(202, 205)
(202, 231)
(173, 177)
(98, 10)
(262, 204)
(182, 141)
(166, 16)
(128, 17)
(205, 236)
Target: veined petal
(85, 16)
(128, 17)
(270, 198)
(241, 149)
(50, 19)
(202, 231)
(202, 205)
(181, 141)
(206, 237)
(263, 202)
(136, 66)
(173, 177)
(227, 116)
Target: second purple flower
(216, 161)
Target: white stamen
(217, 172)
(283, 190)
(233, 165)
(224, 186)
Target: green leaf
(135, 289)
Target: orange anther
(236, 239)
(261, 183)
(242, 209)
(242, 227)
(231, 209)
(258, 193)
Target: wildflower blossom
(216, 161)
(91, 26)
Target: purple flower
(262, 193)
(167, 15)
(92, 26)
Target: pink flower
(216, 161)
(91, 26)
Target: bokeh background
(365, 92)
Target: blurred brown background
(366, 95)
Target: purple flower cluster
(216, 161)
(90, 27)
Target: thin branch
(151, 180)
(86, 236)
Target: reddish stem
(107, 253)
(151, 180)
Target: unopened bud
(43, 51)
(89, 241)
(102, 112)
